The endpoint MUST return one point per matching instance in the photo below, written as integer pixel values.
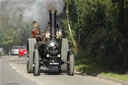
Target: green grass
(117, 76)
(92, 68)
(80, 64)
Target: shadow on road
(50, 71)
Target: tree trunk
(123, 33)
(121, 13)
(69, 26)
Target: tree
(68, 24)
(100, 30)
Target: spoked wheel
(36, 63)
(30, 49)
(70, 64)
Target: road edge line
(14, 68)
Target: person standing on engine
(48, 31)
(36, 26)
(35, 29)
(48, 27)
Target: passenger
(48, 27)
(48, 31)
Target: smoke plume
(32, 10)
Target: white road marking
(0, 71)
(21, 70)
(18, 71)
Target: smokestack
(52, 17)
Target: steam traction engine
(51, 52)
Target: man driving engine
(35, 29)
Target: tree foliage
(13, 35)
(100, 29)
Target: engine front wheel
(70, 64)
(36, 63)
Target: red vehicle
(22, 51)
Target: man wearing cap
(35, 29)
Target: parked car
(22, 51)
(14, 50)
(1, 51)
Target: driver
(35, 29)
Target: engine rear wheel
(70, 64)
(64, 51)
(30, 49)
(36, 63)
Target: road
(13, 72)
(9, 76)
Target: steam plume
(31, 10)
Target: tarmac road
(9, 76)
(13, 71)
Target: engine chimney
(52, 17)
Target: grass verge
(123, 77)
(80, 65)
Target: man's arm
(39, 29)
